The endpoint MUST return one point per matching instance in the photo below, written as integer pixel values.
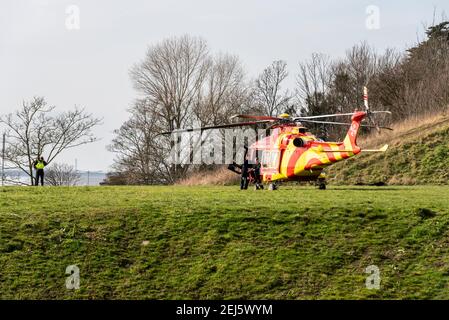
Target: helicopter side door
(270, 161)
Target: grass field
(221, 243)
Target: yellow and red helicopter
(292, 153)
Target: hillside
(220, 243)
(418, 154)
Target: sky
(79, 53)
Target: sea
(87, 178)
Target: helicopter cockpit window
(252, 154)
(265, 159)
(269, 159)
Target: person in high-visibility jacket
(39, 164)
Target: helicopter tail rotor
(369, 113)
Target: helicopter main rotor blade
(246, 116)
(240, 124)
(324, 116)
(334, 115)
(345, 124)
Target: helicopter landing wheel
(272, 187)
(321, 183)
(258, 187)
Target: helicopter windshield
(270, 158)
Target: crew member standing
(39, 164)
(245, 168)
(257, 181)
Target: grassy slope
(418, 154)
(217, 242)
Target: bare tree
(62, 175)
(181, 85)
(223, 93)
(313, 82)
(140, 151)
(171, 78)
(325, 86)
(387, 86)
(35, 130)
(267, 93)
(361, 61)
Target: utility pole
(88, 178)
(3, 159)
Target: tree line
(181, 84)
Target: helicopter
(292, 153)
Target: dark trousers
(257, 181)
(40, 174)
(244, 183)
